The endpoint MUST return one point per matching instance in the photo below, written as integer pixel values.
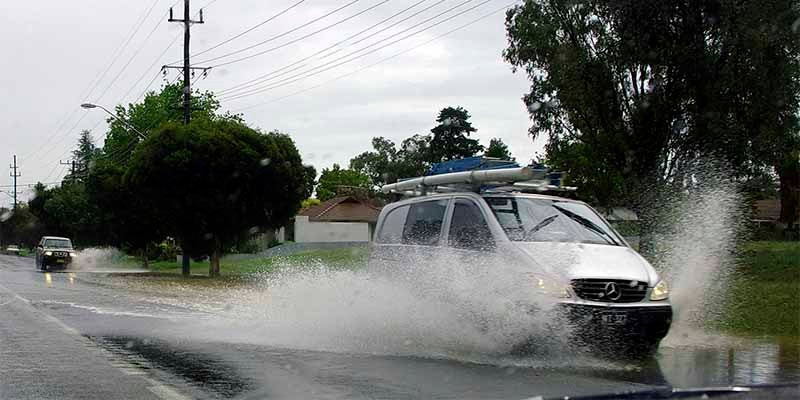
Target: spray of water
(697, 254)
(446, 309)
(97, 259)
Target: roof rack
(482, 176)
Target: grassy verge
(765, 291)
(342, 258)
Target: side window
(424, 223)
(468, 228)
(393, 224)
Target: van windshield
(548, 220)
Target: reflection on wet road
(154, 337)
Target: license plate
(613, 319)
(59, 261)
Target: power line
(300, 38)
(91, 86)
(379, 61)
(255, 91)
(256, 26)
(135, 53)
(251, 82)
(281, 34)
(308, 73)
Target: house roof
(342, 209)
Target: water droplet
(265, 161)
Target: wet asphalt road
(62, 337)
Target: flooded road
(164, 342)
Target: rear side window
(424, 223)
(468, 228)
(393, 225)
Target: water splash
(697, 256)
(447, 311)
(97, 259)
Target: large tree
(498, 149)
(450, 139)
(84, 154)
(386, 164)
(211, 180)
(633, 94)
(156, 108)
(336, 181)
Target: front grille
(598, 290)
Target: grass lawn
(765, 291)
(342, 258)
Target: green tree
(85, 153)
(157, 107)
(386, 164)
(209, 181)
(130, 221)
(450, 139)
(633, 95)
(336, 181)
(310, 181)
(379, 165)
(19, 226)
(66, 210)
(498, 149)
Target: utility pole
(15, 174)
(187, 68)
(187, 90)
(71, 163)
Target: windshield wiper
(541, 224)
(586, 223)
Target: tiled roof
(342, 209)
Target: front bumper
(57, 261)
(624, 324)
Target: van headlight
(72, 254)
(48, 253)
(660, 291)
(548, 287)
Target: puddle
(750, 362)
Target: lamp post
(129, 126)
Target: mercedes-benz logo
(612, 291)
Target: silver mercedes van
(608, 293)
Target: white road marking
(163, 392)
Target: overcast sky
(56, 53)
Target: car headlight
(660, 291)
(48, 253)
(549, 288)
(72, 254)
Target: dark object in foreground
(779, 391)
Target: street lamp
(90, 106)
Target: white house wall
(306, 231)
